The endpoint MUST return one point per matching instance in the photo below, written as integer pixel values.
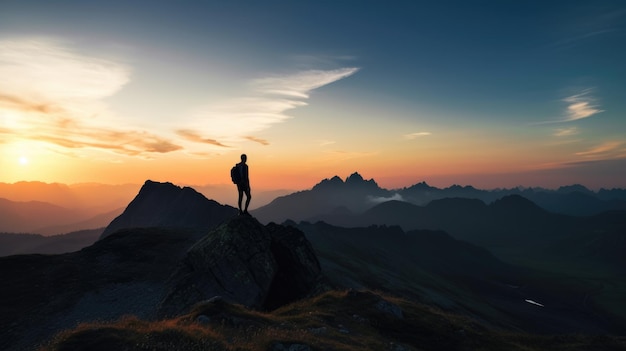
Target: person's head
(244, 158)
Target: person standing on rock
(242, 179)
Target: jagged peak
(355, 179)
(332, 182)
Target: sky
(488, 93)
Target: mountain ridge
(358, 195)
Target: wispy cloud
(40, 72)
(128, 143)
(565, 132)
(51, 92)
(580, 106)
(258, 140)
(604, 150)
(416, 135)
(54, 95)
(299, 84)
(269, 100)
(195, 137)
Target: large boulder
(247, 263)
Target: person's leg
(248, 197)
(240, 198)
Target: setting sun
(23, 160)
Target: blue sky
(493, 93)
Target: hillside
(152, 272)
(434, 268)
(337, 320)
(19, 244)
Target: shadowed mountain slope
(120, 274)
(432, 267)
(150, 271)
(510, 223)
(167, 205)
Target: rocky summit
(167, 205)
(244, 262)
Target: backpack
(235, 174)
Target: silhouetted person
(243, 186)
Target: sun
(23, 160)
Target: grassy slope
(336, 320)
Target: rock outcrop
(167, 205)
(245, 262)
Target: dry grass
(336, 320)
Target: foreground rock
(244, 262)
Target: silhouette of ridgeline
(356, 195)
(329, 195)
(168, 205)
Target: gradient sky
(488, 93)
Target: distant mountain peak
(354, 180)
(329, 183)
(354, 177)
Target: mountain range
(52, 209)
(355, 195)
(508, 265)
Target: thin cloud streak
(300, 84)
(193, 136)
(603, 150)
(416, 135)
(270, 99)
(258, 140)
(564, 132)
